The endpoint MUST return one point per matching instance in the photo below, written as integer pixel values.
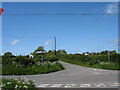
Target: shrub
(41, 68)
(17, 84)
(24, 61)
(50, 58)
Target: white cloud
(47, 43)
(111, 9)
(15, 42)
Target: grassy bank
(40, 68)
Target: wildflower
(1, 86)
(13, 62)
(25, 86)
(8, 82)
(19, 81)
(16, 79)
(16, 86)
(23, 83)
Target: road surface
(75, 76)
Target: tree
(40, 48)
(50, 52)
(113, 52)
(104, 52)
(61, 52)
(8, 54)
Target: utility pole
(108, 57)
(55, 44)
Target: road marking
(56, 85)
(114, 84)
(85, 85)
(100, 85)
(96, 73)
(95, 69)
(70, 85)
(81, 85)
(43, 85)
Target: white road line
(114, 84)
(95, 69)
(96, 73)
(100, 85)
(85, 85)
(70, 85)
(43, 85)
(56, 85)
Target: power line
(24, 36)
(45, 14)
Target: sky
(82, 27)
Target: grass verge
(102, 65)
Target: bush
(50, 58)
(17, 84)
(24, 61)
(7, 60)
(41, 68)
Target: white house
(31, 56)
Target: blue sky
(74, 33)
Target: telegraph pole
(108, 57)
(55, 44)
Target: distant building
(87, 53)
(31, 56)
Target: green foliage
(39, 68)
(41, 48)
(96, 61)
(17, 61)
(104, 52)
(23, 65)
(17, 84)
(50, 52)
(50, 58)
(8, 54)
(61, 52)
(7, 60)
(24, 61)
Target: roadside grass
(103, 65)
(40, 68)
(17, 84)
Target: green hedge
(96, 61)
(41, 68)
